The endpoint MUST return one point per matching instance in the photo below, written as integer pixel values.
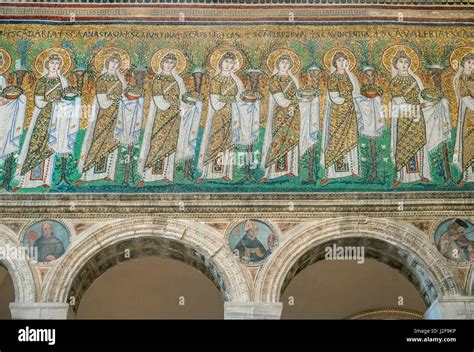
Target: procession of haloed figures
(174, 130)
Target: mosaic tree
(311, 54)
(255, 68)
(197, 56)
(434, 58)
(369, 55)
(81, 54)
(137, 76)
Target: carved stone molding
(44, 311)
(17, 265)
(212, 206)
(451, 308)
(252, 310)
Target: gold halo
(217, 54)
(158, 56)
(7, 61)
(275, 54)
(104, 54)
(45, 54)
(327, 60)
(457, 55)
(389, 53)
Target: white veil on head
(237, 80)
(119, 74)
(178, 78)
(211, 110)
(290, 73)
(145, 147)
(355, 92)
(3, 82)
(87, 142)
(395, 73)
(352, 77)
(267, 139)
(64, 81)
(457, 78)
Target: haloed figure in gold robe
(408, 135)
(216, 157)
(340, 156)
(100, 149)
(160, 141)
(464, 148)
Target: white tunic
(62, 134)
(371, 116)
(12, 120)
(438, 124)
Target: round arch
(18, 268)
(399, 245)
(98, 249)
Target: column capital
(451, 308)
(41, 310)
(252, 310)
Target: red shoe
(199, 180)
(15, 189)
(395, 183)
(324, 181)
(107, 178)
(424, 179)
(78, 182)
(263, 180)
(45, 186)
(460, 183)
(291, 174)
(167, 180)
(226, 178)
(355, 175)
(140, 184)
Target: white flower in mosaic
(384, 146)
(385, 160)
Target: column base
(26, 311)
(252, 310)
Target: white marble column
(252, 310)
(451, 308)
(34, 310)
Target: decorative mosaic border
(282, 13)
(253, 2)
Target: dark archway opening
(389, 277)
(7, 293)
(148, 278)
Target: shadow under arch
(14, 259)
(102, 248)
(399, 245)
